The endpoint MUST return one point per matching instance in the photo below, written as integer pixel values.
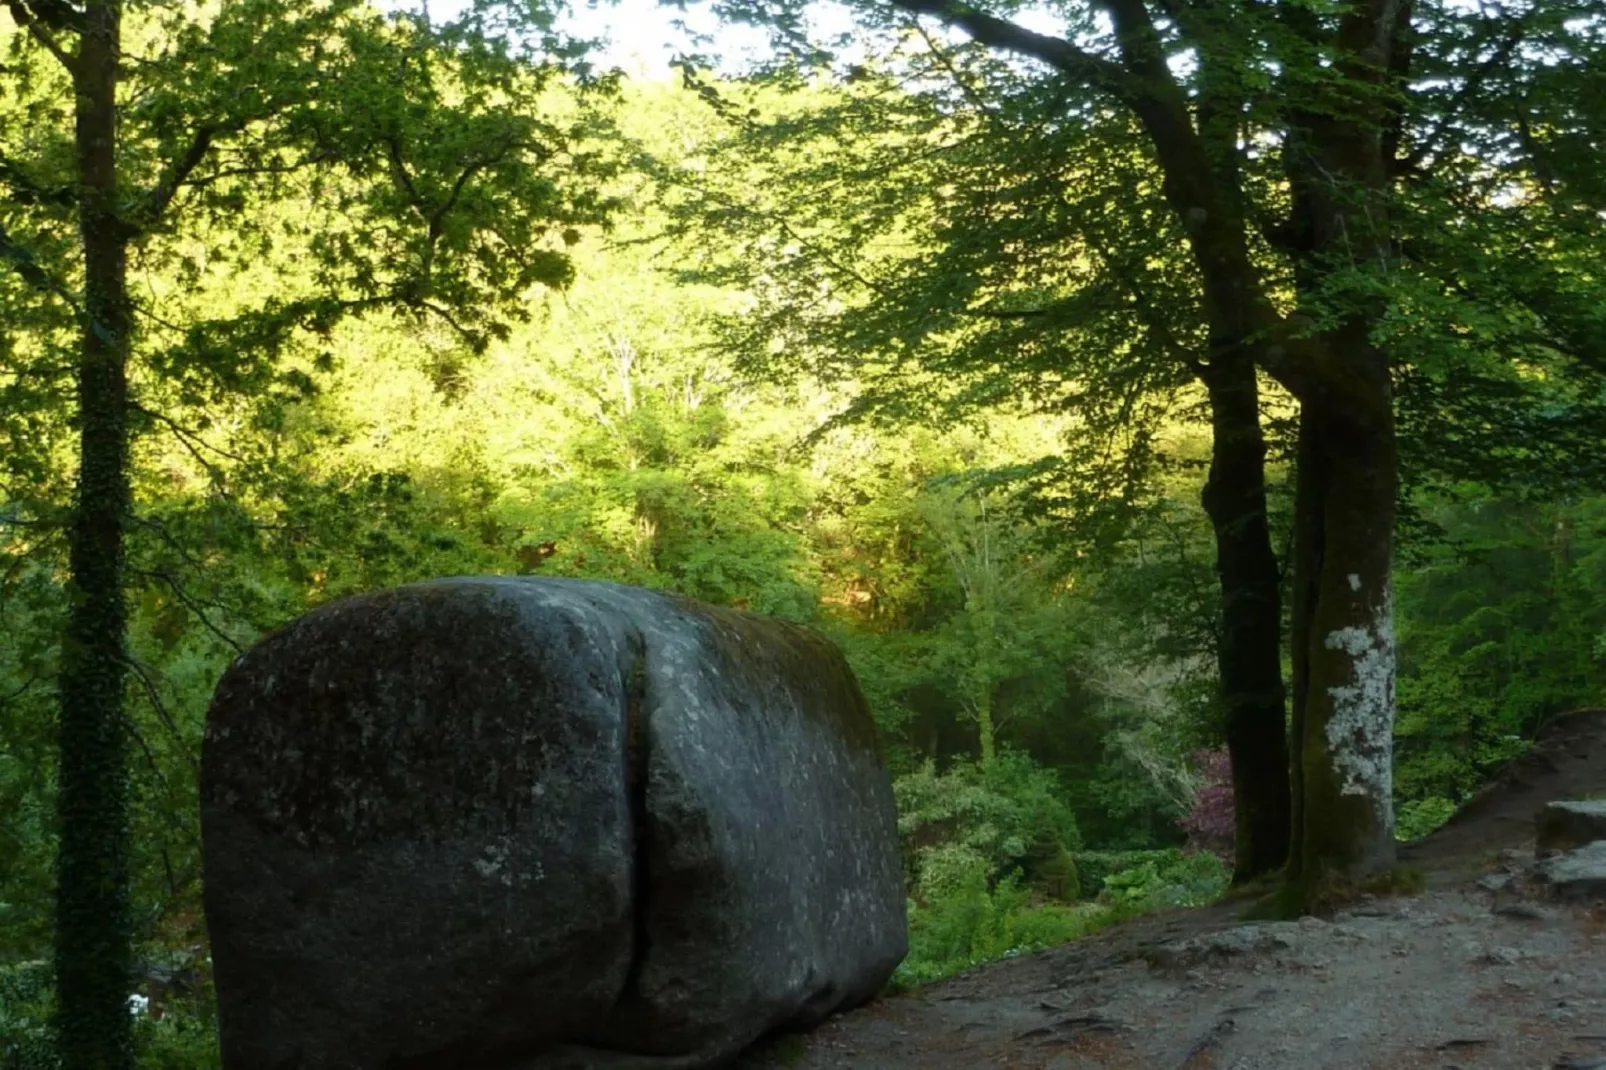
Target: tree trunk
(93, 928)
(1343, 631)
(1249, 655)
(986, 732)
(1343, 628)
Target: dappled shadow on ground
(1449, 978)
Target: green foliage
(1416, 818)
(1162, 879)
(995, 818)
(972, 919)
(25, 1006)
(710, 402)
(970, 922)
(183, 1036)
(1096, 867)
(1500, 627)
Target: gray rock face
(544, 823)
(1579, 874)
(1562, 826)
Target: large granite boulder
(540, 823)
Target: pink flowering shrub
(1209, 822)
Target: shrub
(183, 1038)
(1094, 867)
(1211, 820)
(971, 921)
(1002, 818)
(1170, 878)
(1415, 819)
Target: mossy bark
(93, 928)
(1338, 165)
(1343, 636)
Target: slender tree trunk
(1249, 655)
(93, 925)
(986, 732)
(1343, 629)
(1306, 567)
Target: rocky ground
(1486, 968)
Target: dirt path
(1458, 977)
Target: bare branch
(192, 605)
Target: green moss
(1296, 899)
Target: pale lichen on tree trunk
(1344, 637)
(1362, 719)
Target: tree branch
(474, 339)
(27, 685)
(39, 17)
(193, 443)
(190, 604)
(943, 60)
(398, 170)
(162, 194)
(543, 153)
(311, 160)
(23, 263)
(1065, 57)
(144, 675)
(1139, 42)
(29, 191)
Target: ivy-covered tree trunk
(93, 926)
(1249, 652)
